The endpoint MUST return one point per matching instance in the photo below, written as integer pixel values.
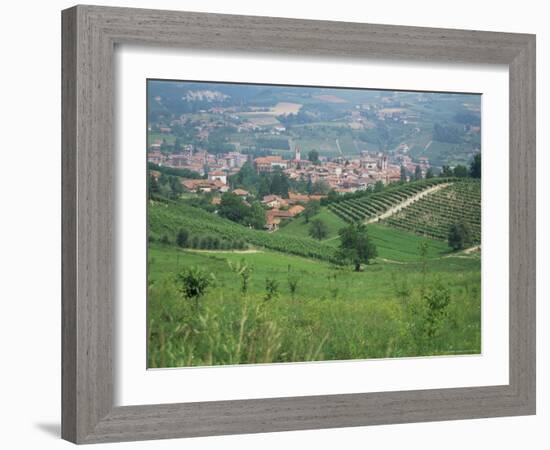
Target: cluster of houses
(341, 174)
(285, 208)
(198, 161)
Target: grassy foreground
(334, 313)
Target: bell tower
(297, 155)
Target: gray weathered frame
(89, 36)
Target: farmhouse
(217, 176)
(269, 163)
(273, 201)
(241, 192)
(204, 186)
(295, 210)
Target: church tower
(297, 155)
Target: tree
(232, 208)
(193, 284)
(312, 207)
(246, 177)
(403, 174)
(459, 235)
(279, 184)
(475, 166)
(182, 238)
(460, 171)
(264, 188)
(429, 173)
(313, 156)
(446, 172)
(356, 246)
(153, 185)
(332, 196)
(256, 216)
(309, 186)
(320, 187)
(378, 186)
(318, 229)
(417, 173)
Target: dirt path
(465, 252)
(407, 202)
(250, 250)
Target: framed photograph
(266, 229)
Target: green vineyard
(432, 215)
(373, 204)
(167, 218)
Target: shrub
(193, 283)
(182, 238)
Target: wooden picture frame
(90, 34)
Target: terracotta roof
(295, 210)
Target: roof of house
(240, 192)
(296, 209)
(271, 198)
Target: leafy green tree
(318, 229)
(417, 173)
(153, 185)
(309, 186)
(459, 236)
(246, 177)
(460, 171)
(475, 166)
(279, 184)
(446, 172)
(311, 208)
(256, 215)
(195, 241)
(356, 247)
(313, 156)
(182, 238)
(233, 208)
(320, 187)
(378, 186)
(332, 196)
(193, 284)
(429, 173)
(264, 187)
(403, 174)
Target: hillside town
(341, 174)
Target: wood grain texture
(89, 36)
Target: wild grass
(332, 314)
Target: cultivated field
(313, 309)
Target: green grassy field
(391, 244)
(333, 312)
